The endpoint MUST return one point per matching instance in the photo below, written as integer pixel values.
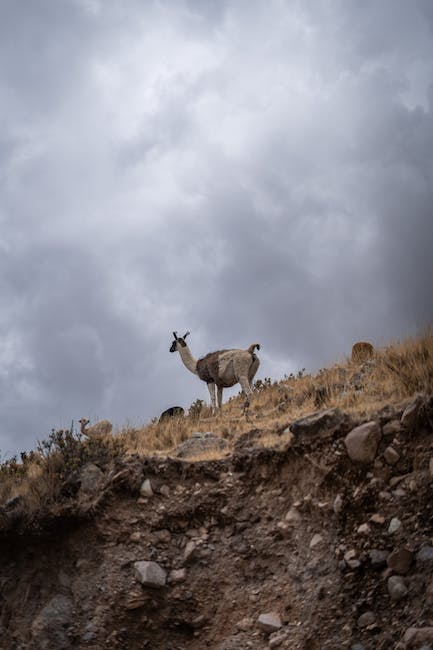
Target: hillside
(307, 524)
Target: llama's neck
(188, 359)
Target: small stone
(190, 551)
(269, 622)
(338, 504)
(293, 516)
(364, 529)
(366, 619)
(395, 480)
(245, 624)
(394, 526)
(396, 588)
(316, 540)
(135, 537)
(177, 575)
(150, 574)
(424, 557)
(400, 560)
(146, 488)
(378, 558)
(391, 456)
(377, 519)
(164, 490)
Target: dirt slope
(263, 531)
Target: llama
(101, 428)
(222, 369)
(362, 351)
(172, 412)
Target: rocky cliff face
(326, 543)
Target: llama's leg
(247, 391)
(211, 388)
(220, 397)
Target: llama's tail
(253, 346)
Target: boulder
(411, 413)
(322, 423)
(362, 442)
(414, 637)
(91, 480)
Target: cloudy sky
(247, 170)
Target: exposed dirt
(246, 558)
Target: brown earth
(224, 522)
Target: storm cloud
(248, 171)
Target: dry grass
(396, 372)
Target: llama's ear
(175, 336)
(185, 335)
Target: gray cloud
(244, 171)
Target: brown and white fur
(101, 428)
(221, 369)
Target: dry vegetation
(397, 371)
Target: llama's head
(179, 341)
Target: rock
(269, 622)
(411, 413)
(396, 588)
(378, 558)
(394, 526)
(366, 619)
(391, 428)
(424, 557)
(362, 442)
(150, 574)
(164, 490)
(177, 575)
(135, 600)
(364, 529)
(400, 560)
(293, 516)
(358, 646)
(316, 540)
(245, 624)
(415, 636)
(351, 560)
(190, 551)
(338, 504)
(276, 639)
(199, 443)
(50, 627)
(377, 518)
(391, 455)
(321, 423)
(91, 479)
(146, 488)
